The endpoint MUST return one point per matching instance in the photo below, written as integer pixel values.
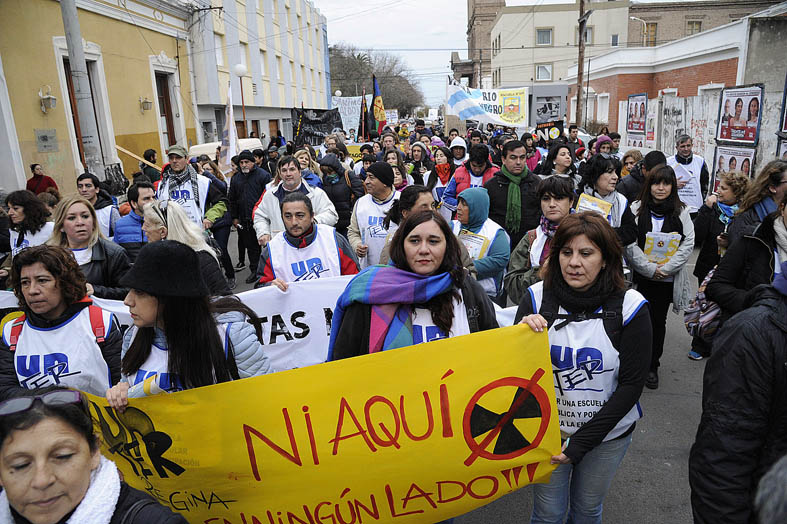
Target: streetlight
(338, 93)
(644, 28)
(240, 71)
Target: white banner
(392, 117)
(504, 107)
(350, 110)
(295, 324)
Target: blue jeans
(585, 485)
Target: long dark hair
(672, 204)
(549, 163)
(441, 307)
(196, 354)
(36, 212)
(407, 199)
(432, 180)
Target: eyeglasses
(53, 398)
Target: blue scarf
(765, 207)
(727, 212)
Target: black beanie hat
(166, 269)
(383, 172)
(246, 155)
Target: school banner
(505, 107)
(417, 435)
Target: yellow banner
(418, 434)
(355, 152)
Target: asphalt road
(651, 485)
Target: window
(279, 72)
(243, 49)
(544, 36)
(543, 72)
(217, 44)
(693, 27)
(650, 33)
(588, 34)
(614, 40)
(602, 114)
(263, 65)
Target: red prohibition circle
(543, 404)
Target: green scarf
(514, 201)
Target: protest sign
(504, 107)
(350, 109)
(740, 114)
(652, 125)
(549, 130)
(740, 159)
(637, 113)
(311, 126)
(660, 247)
(417, 434)
(392, 116)
(549, 108)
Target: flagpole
(363, 124)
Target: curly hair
(736, 181)
(59, 262)
(35, 211)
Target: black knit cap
(383, 172)
(167, 269)
(246, 155)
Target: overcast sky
(423, 33)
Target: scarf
(727, 212)
(672, 223)
(98, 505)
(514, 200)
(548, 227)
(402, 185)
(187, 176)
(780, 231)
(391, 292)
(443, 172)
(765, 207)
(575, 301)
(611, 198)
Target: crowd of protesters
(588, 242)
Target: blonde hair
(59, 237)
(636, 154)
(179, 226)
(737, 181)
(313, 165)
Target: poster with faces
(637, 113)
(635, 140)
(727, 159)
(740, 114)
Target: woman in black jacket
(103, 262)
(343, 188)
(426, 262)
(749, 262)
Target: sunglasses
(53, 398)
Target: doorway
(165, 108)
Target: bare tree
(352, 68)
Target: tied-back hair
(441, 307)
(599, 232)
(660, 173)
(35, 211)
(179, 225)
(59, 262)
(759, 188)
(407, 199)
(59, 237)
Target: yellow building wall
(29, 61)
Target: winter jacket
(747, 264)
(746, 222)
(104, 199)
(110, 348)
(341, 195)
(214, 202)
(39, 184)
(707, 227)
(531, 205)
(245, 192)
(353, 337)
(226, 219)
(677, 265)
(154, 513)
(129, 234)
(521, 274)
(631, 185)
(213, 274)
(267, 214)
(461, 181)
(311, 178)
(744, 415)
(152, 173)
(108, 263)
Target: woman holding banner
(424, 295)
(180, 339)
(600, 337)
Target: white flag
(229, 136)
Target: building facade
(283, 47)
(138, 67)
(477, 68)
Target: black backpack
(611, 313)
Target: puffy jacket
(342, 196)
(748, 263)
(461, 181)
(531, 206)
(744, 416)
(245, 191)
(129, 234)
(311, 178)
(213, 274)
(267, 214)
(108, 263)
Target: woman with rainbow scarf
(423, 295)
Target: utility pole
(583, 19)
(86, 116)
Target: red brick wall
(685, 79)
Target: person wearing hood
(513, 194)
(458, 149)
(599, 181)
(477, 171)
(106, 210)
(202, 201)
(422, 163)
(631, 185)
(438, 178)
(180, 338)
(487, 242)
(603, 145)
(304, 250)
(343, 189)
(690, 169)
(743, 408)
